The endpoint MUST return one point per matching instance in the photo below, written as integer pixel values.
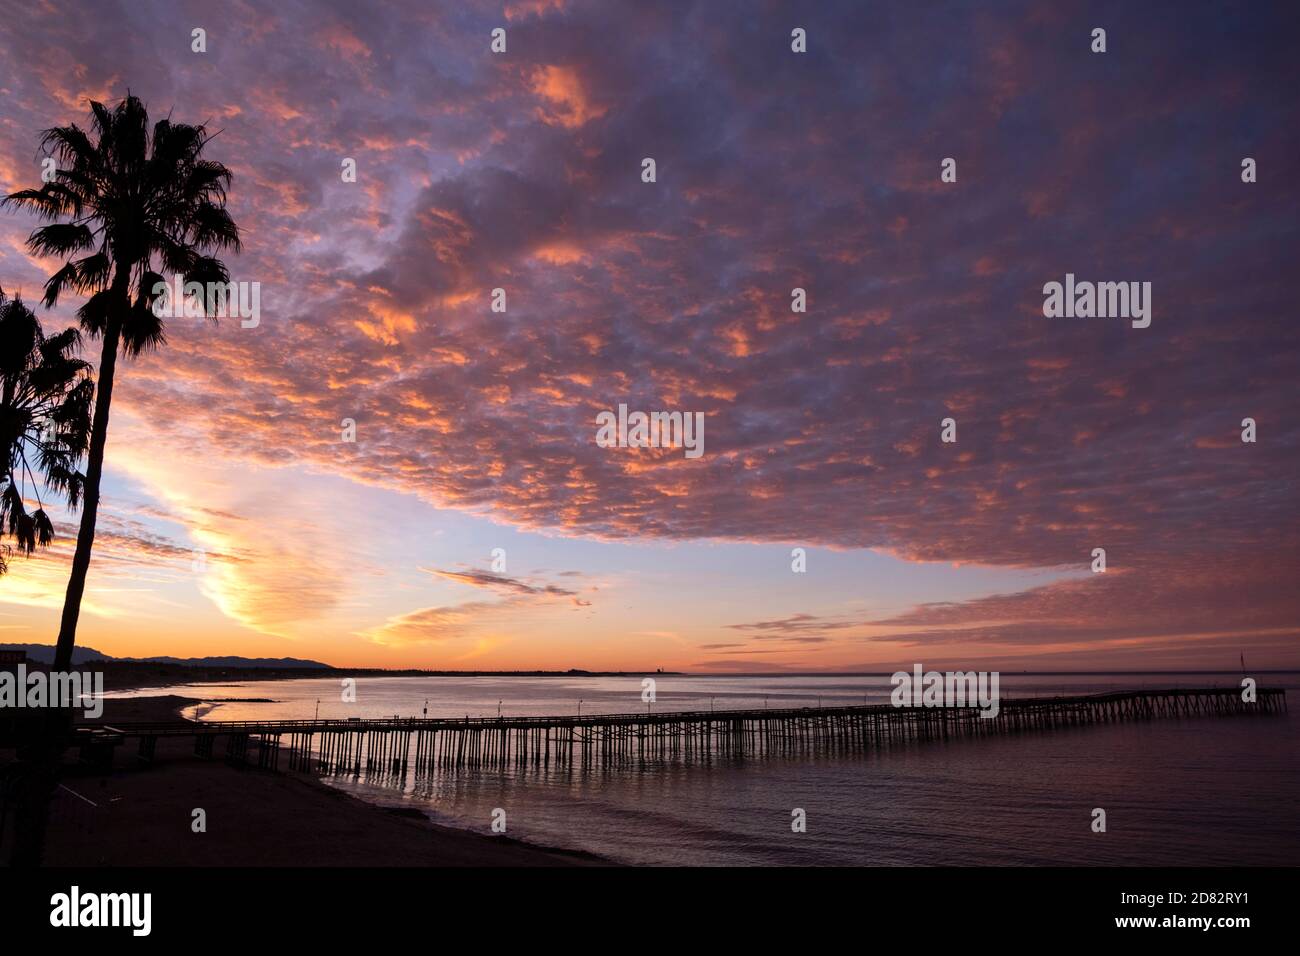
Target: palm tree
(124, 200)
(45, 397)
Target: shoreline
(145, 815)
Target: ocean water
(1200, 791)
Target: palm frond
(60, 239)
(142, 331)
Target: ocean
(1201, 791)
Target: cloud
(500, 582)
(434, 624)
(1128, 606)
(474, 620)
(794, 628)
(775, 170)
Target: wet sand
(141, 815)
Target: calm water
(1202, 791)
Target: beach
(141, 815)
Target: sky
(237, 519)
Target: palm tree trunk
(41, 759)
(94, 471)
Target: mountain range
(44, 653)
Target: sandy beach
(141, 815)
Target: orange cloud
(568, 103)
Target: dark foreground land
(138, 815)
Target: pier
(392, 746)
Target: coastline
(143, 816)
(723, 816)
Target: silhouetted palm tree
(123, 200)
(45, 396)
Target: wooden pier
(392, 746)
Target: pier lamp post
(498, 710)
(579, 708)
(317, 708)
(711, 700)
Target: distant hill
(44, 653)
